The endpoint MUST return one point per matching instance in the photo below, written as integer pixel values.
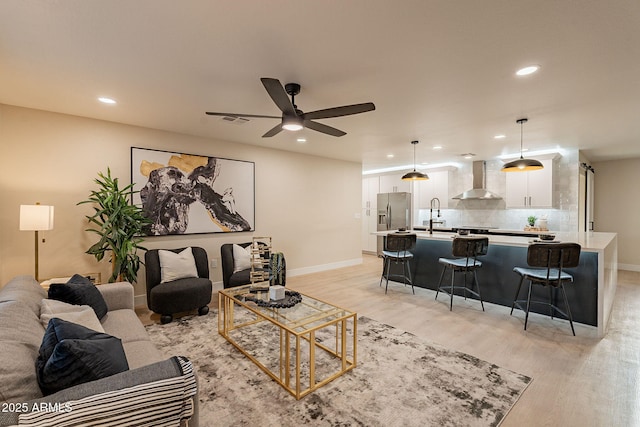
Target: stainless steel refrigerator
(394, 212)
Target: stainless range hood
(479, 190)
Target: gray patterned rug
(399, 380)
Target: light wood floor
(577, 381)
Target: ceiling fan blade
(274, 131)
(346, 110)
(279, 95)
(323, 128)
(258, 116)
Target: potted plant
(119, 225)
(531, 220)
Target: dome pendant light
(522, 164)
(415, 175)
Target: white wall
(617, 207)
(306, 204)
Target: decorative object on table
(262, 298)
(473, 392)
(260, 258)
(177, 281)
(277, 269)
(119, 225)
(414, 175)
(36, 218)
(187, 194)
(546, 236)
(522, 164)
(276, 292)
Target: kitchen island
(590, 296)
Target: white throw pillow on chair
(174, 266)
(241, 258)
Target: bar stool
(553, 257)
(466, 250)
(397, 247)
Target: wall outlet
(213, 263)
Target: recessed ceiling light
(301, 139)
(527, 70)
(106, 100)
(437, 147)
(389, 156)
(468, 155)
(500, 136)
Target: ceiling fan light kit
(414, 175)
(294, 119)
(522, 164)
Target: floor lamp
(36, 218)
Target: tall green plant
(119, 225)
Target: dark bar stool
(467, 250)
(397, 248)
(554, 258)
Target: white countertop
(590, 241)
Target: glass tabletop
(308, 314)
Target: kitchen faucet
(431, 221)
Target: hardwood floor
(577, 381)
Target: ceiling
(441, 72)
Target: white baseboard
(141, 300)
(323, 267)
(629, 267)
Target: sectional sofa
(154, 387)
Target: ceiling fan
(295, 119)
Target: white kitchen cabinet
(532, 189)
(394, 184)
(437, 186)
(370, 190)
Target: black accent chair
(242, 277)
(553, 258)
(466, 250)
(397, 249)
(179, 295)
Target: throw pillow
(241, 258)
(174, 266)
(80, 291)
(80, 314)
(71, 354)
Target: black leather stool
(466, 250)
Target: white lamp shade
(36, 217)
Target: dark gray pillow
(79, 291)
(71, 354)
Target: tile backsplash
(493, 213)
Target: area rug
(399, 380)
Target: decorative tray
(290, 299)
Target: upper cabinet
(530, 189)
(394, 184)
(437, 186)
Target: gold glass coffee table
(302, 347)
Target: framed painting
(188, 194)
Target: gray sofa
(21, 334)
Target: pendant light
(522, 164)
(415, 175)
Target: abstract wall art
(187, 194)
